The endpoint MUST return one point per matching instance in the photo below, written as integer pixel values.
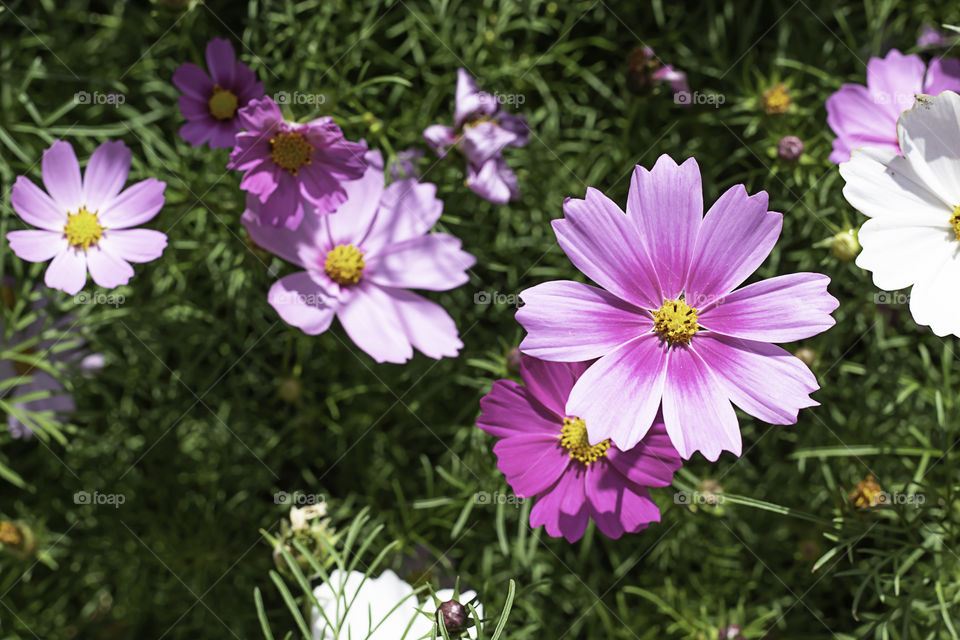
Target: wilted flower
(790, 148)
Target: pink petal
(619, 395)
(762, 379)
(35, 207)
(106, 269)
(484, 140)
(572, 321)
(510, 410)
(194, 108)
(737, 235)
(371, 321)
(895, 80)
(36, 245)
(135, 245)
(858, 120)
(434, 262)
(547, 512)
(440, 138)
(637, 510)
(604, 244)
(135, 205)
(493, 180)
(426, 324)
(666, 205)
(197, 132)
(61, 176)
(302, 304)
(470, 101)
(220, 61)
(283, 207)
(356, 215)
(407, 209)
(696, 411)
(531, 463)
(67, 271)
(321, 189)
(942, 75)
(224, 134)
(551, 382)
(193, 81)
(105, 174)
(652, 462)
(278, 240)
(781, 309)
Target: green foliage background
(185, 420)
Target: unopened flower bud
(453, 616)
(806, 355)
(790, 148)
(289, 389)
(845, 245)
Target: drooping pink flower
(360, 263)
(86, 223)
(669, 329)
(210, 103)
(545, 453)
(293, 168)
(867, 115)
(481, 130)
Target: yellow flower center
(290, 150)
(676, 321)
(222, 104)
(83, 228)
(776, 99)
(955, 221)
(573, 438)
(344, 264)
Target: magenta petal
(666, 205)
(283, 207)
(762, 379)
(894, 81)
(224, 134)
(696, 411)
(34, 245)
(135, 245)
(61, 176)
(197, 132)
(493, 180)
(619, 395)
(194, 108)
(483, 141)
(302, 304)
(604, 244)
(637, 510)
(67, 271)
(371, 321)
(508, 410)
(278, 240)
(546, 510)
(531, 462)
(220, 61)
(550, 383)
(106, 269)
(571, 321)
(780, 309)
(855, 116)
(652, 462)
(135, 205)
(106, 173)
(35, 207)
(737, 235)
(193, 81)
(434, 262)
(942, 75)
(426, 324)
(440, 138)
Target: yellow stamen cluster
(676, 321)
(222, 104)
(290, 150)
(83, 228)
(869, 493)
(955, 221)
(776, 99)
(344, 264)
(10, 534)
(573, 438)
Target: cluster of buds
(311, 527)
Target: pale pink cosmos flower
(85, 223)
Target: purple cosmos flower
(360, 264)
(210, 104)
(290, 167)
(545, 452)
(867, 116)
(645, 68)
(931, 37)
(85, 224)
(481, 130)
(33, 380)
(668, 328)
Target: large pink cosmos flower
(290, 167)
(85, 223)
(668, 328)
(545, 452)
(867, 116)
(361, 262)
(210, 102)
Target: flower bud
(807, 355)
(790, 148)
(845, 245)
(289, 390)
(453, 616)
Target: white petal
(930, 140)
(935, 301)
(899, 255)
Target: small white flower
(300, 516)
(913, 202)
(383, 608)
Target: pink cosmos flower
(670, 332)
(360, 263)
(86, 224)
(290, 167)
(867, 116)
(545, 452)
(481, 130)
(210, 102)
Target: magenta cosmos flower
(360, 264)
(668, 328)
(867, 116)
(481, 130)
(293, 168)
(86, 223)
(545, 452)
(210, 102)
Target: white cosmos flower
(383, 608)
(913, 202)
